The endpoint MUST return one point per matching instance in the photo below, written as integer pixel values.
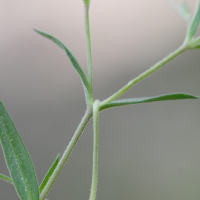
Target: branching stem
(145, 74)
(67, 152)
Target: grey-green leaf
(49, 173)
(17, 159)
(194, 23)
(72, 59)
(182, 9)
(6, 178)
(123, 102)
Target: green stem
(67, 152)
(95, 150)
(145, 74)
(5, 178)
(88, 46)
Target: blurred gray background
(146, 151)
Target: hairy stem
(67, 152)
(95, 151)
(145, 74)
(88, 46)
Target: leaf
(17, 159)
(197, 46)
(49, 173)
(72, 59)
(182, 9)
(123, 102)
(6, 178)
(194, 22)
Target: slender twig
(95, 150)
(145, 74)
(6, 178)
(67, 152)
(88, 46)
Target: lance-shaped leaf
(6, 178)
(49, 173)
(194, 23)
(123, 102)
(72, 59)
(182, 9)
(17, 159)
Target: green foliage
(194, 23)
(49, 173)
(17, 159)
(185, 11)
(182, 9)
(166, 97)
(73, 61)
(197, 46)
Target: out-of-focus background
(146, 151)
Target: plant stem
(6, 178)
(88, 46)
(145, 74)
(95, 150)
(67, 152)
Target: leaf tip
(58, 157)
(36, 30)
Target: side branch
(67, 152)
(145, 74)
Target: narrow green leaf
(72, 59)
(182, 9)
(123, 102)
(49, 173)
(197, 46)
(185, 11)
(6, 178)
(17, 159)
(194, 23)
